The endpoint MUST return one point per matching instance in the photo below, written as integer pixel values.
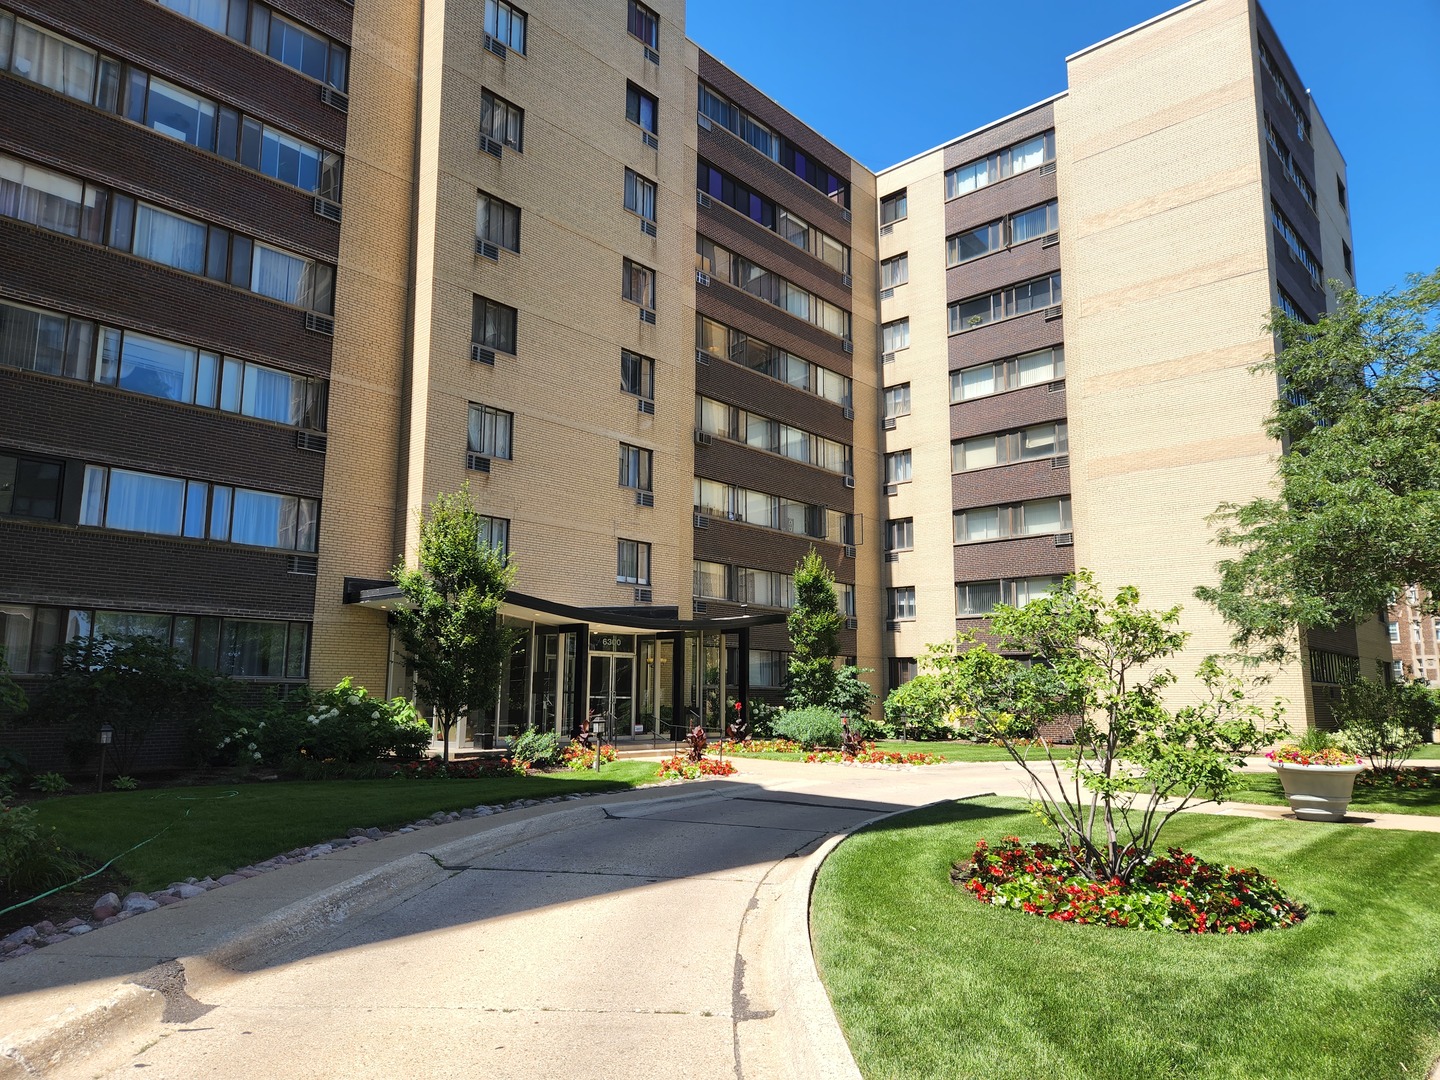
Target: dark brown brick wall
(994, 272)
(50, 270)
(1009, 484)
(190, 55)
(1027, 556)
(65, 565)
(1006, 338)
(1006, 412)
(137, 161)
(748, 389)
(991, 203)
(733, 230)
(739, 309)
(998, 136)
(765, 549)
(732, 463)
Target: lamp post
(107, 736)
(597, 731)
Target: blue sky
(937, 68)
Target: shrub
(31, 859)
(1386, 723)
(472, 769)
(12, 698)
(762, 719)
(50, 783)
(808, 727)
(124, 783)
(536, 748)
(851, 695)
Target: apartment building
(286, 269)
(1413, 631)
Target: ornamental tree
(1093, 664)
(1357, 514)
(451, 627)
(814, 625)
(1387, 722)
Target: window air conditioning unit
(494, 46)
(308, 565)
(644, 498)
(312, 441)
(1052, 313)
(1056, 387)
(847, 412)
(643, 596)
(1065, 539)
(702, 521)
(647, 227)
(888, 423)
(1047, 168)
(489, 250)
(702, 278)
(702, 438)
(647, 316)
(892, 489)
(703, 199)
(845, 279)
(645, 405)
(848, 551)
(887, 358)
(1060, 461)
(334, 98)
(886, 230)
(699, 607)
(650, 140)
(493, 147)
(892, 625)
(701, 356)
(1051, 239)
(481, 355)
(848, 345)
(892, 556)
(886, 294)
(849, 481)
(852, 623)
(477, 462)
(652, 56)
(319, 324)
(845, 213)
(329, 209)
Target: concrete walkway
(659, 933)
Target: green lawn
(950, 751)
(213, 830)
(1265, 788)
(928, 982)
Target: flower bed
(1399, 779)
(475, 769)
(1177, 891)
(577, 756)
(870, 756)
(1330, 755)
(682, 768)
(762, 746)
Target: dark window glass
(644, 24)
(493, 325)
(30, 487)
(641, 108)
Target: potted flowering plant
(1317, 774)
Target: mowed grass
(214, 830)
(928, 982)
(1265, 789)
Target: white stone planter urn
(1318, 792)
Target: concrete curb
(78, 1033)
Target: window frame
(491, 422)
(637, 468)
(507, 110)
(643, 24)
(635, 274)
(480, 317)
(508, 214)
(894, 207)
(637, 375)
(637, 187)
(641, 97)
(637, 564)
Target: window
(494, 533)
(1393, 628)
(30, 487)
(168, 506)
(635, 467)
(763, 587)
(1332, 667)
(639, 195)
(632, 564)
(900, 534)
(725, 343)
(1007, 448)
(1028, 296)
(637, 375)
(1340, 194)
(506, 24)
(1034, 223)
(179, 114)
(1348, 257)
(497, 222)
(1298, 250)
(490, 432)
(492, 325)
(716, 261)
(895, 336)
(642, 108)
(1287, 96)
(1013, 160)
(50, 200)
(293, 279)
(893, 207)
(901, 670)
(639, 285)
(897, 400)
(1287, 160)
(717, 499)
(763, 433)
(980, 597)
(179, 242)
(711, 580)
(722, 187)
(900, 603)
(211, 13)
(1030, 369)
(895, 271)
(502, 121)
(1415, 632)
(298, 47)
(768, 667)
(1038, 517)
(55, 62)
(644, 24)
(897, 467)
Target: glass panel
(169, 239)
(253, 649)
(1042, 517)
(141, 502)
(181, 115)
(157, 368)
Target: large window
(1287, 160)
(644, 24)
(718, 262)
(900, 534)
(1013, 160)
(764, 433)
(726, 343)
(638, 285)
(292, 279)
(490, 432)
(299, 47)
(897, 401)
(1006, 232)
(1030, 369)
(900, 603)
(895, 271)
(642, 108)
(30, 486)
(718, 109)
(1028, 296)
(721, 500)
(53, 201)
(506, 24)
(637, 375)
(897, 467)
(492, 325)
(895, 336)
(635, 467)
(639, 195)
(768, 667)
(497, 222)
(502, 121)
(1037, 517)
(1007, 448)
(56, 62)
(168, 506)
(494, 533)
(980, 597)
(632, 563)
(894, 207)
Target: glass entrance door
(612, 681)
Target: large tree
(1357, 513)
(452, 628)
(814, 624)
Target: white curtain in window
(1042, 517)
(272, 395)
(39, 196)
(16, 622)
(209, 13)
(53, 63)
(140, 502)
(277, 274)
(263, 519)
(169, 239)
(1028, 155)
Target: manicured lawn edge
(928, 982)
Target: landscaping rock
(208, 883)
(186, 892)
(106, 906)
(407, 829)
(248, 872)
(45, 927)
(483, 811)
(70, 924)
(138, 901)
(374, 834)
(166, 899)
(83, 928)
(320, 849)
(355, 832)
(230, 879)
(23, 936)
(22, 951)
(438, 816)
(363, 840)
(52, 939)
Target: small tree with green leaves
(814, 624)
(1135, 763)
(1387, 722)
(12, 698)
(451, 627)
